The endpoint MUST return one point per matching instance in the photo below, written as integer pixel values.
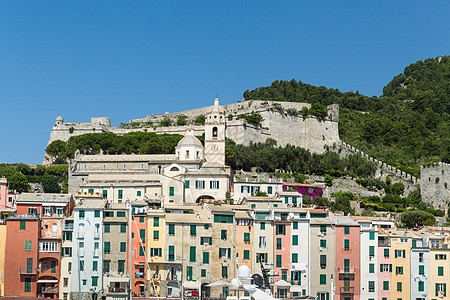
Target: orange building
(22, 256)
(139, 245)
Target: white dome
(216, 108)
(244, 273)
(189, 140)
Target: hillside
(405, 127)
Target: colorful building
(7, 196)
(156, 228)
(139, 243)
(282, 250)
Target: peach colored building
(347, 276)
(385, 265)
(7, 197)
(139, 242)
(244, 238)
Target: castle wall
(435, 185)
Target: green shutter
(94, 265)
(156, 234)
(246, 236)
(107, 246)
(371, 236)
(171, 253)
(189, 272)
(421, 270)
(123, 247)
(193, 229)
(323, 243)
(229, 252)
(186, 184)
(171, 229)
(96, 213)
(371, 250)
(295, 240)
(171, 191)
(206, 257)
(440, 271)
(246, 254)
(27, 245)
(138, 193)
(192, 254)
(279, 261)
(27, 285)
(53, 266)
(346, 244)
(323, 279)
(107, 228)
(22, 227)
(123, 228)
(346, 230)
(120, 196)
(371, 268)
(294, 258)
(386, 252)
(262, 226)
(155, 221)
(295, 225)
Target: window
(262, 226)
(399, 270)
(262, 242)
(323, 279)
(414, 243)
(269, 190)
(138, 193)
(192, 254)
(171, 253)
(223, 219)
(84, 281)
(105, 194)
(224, 252)
(96, 213)
(386, 253)
(346, 230)
(206, 257)
(403, 240)
(223, 234)
(441, 289)
(53, 266)
(27, 245)
(371, 236)
(214, 184)
(121, 266)
(440, 271)
(156, 234)
(440, 256)
(224, 271)
(385, 268)
(279, 244)
(281, 229)
(123, 246)
(323, 261)
(123, 228)
(246, 254)
(295, 225)
(199, 184)
(421, 286)
(27, 285)
(323, 229)
(171, 229)
(246, 237)
(107, 247)
(142, 250)
(141, 219)
(193, 230)
(346, 244)
(121, 214)
(371, 250)
(420, 257)
(81, 214)
(323, 243)
(189, 272)
(186, 184)
(48, 246)
(107, 227)
(94, 280)
(371, 268)
(400, 254)
(279, 259)
(295, 240)
(171, 191)
(371, 286)
(399, 287)
(294, 258)
(155, 221)
(421, 270)
(153, 252)
(81, 265)
(385, 285)
(203, 272)
(284, 275)
(106, 266)
(120, 194)
(94, 265)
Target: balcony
(384, 243)
(139, 275)
(50, 289)
(68, 226)
(346, 273)
(28, 271)
(347, 290)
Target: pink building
(282, 250)
(347, 276)
(7, 197)
(385, 265)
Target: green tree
(19, 182)
(417, 219)
(181, 121)
(328, 180)
(166, 122)
(200, 120)
(50, 184)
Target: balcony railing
(139, 275)
(28, 271)
(347, 290)
(68, 226)
(50, 289)
(346, 273)
(117, 290)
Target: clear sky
(129, 59)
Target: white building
(87, 250)
(300, 252)
(250, 188)
(420, 268)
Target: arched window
(214, 132)
(174, 169)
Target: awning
(219, 283)
(191, 285)
(140, 263)
(119, 280)
(47, 281)
(282, 283)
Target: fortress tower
(215, 134)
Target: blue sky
(128, 59)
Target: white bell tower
(215, 134)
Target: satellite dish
(257, 280)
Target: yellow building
(401, 241)
(2, 257)
(155, 250)
(439, 271)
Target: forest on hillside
(408, 125)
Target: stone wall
(310, 133)
(435, 185)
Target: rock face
(434, 185)
(310, 132)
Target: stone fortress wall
(310, 132)
(435, 184)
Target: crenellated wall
(435, 185)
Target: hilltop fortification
(282, 122)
